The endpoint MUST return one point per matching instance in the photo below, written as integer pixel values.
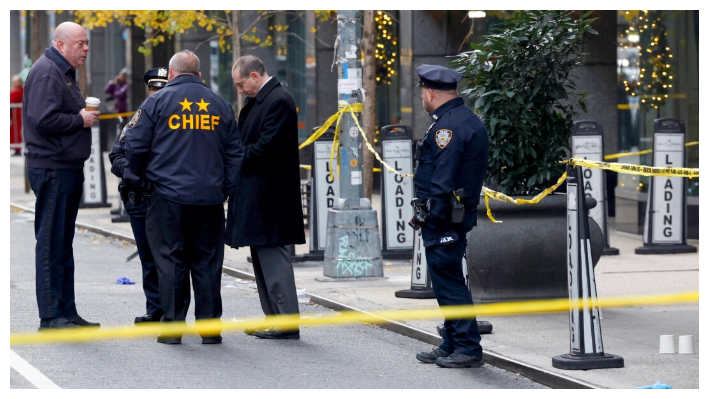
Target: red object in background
(16, 117)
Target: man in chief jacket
(265, 213)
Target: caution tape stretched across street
(213, 326)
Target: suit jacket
(266, 207)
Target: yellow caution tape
(636, 169)
(309, 167)
(335, 118)
(628, 154)
(289, 322)
(518, 201)
(112, 116)
(373, 151)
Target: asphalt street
(355, 356)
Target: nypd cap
(437, 77)
(156, 77)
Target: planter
(523, 258)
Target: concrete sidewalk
(523, 344)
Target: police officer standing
(135, 201)
(451, 164)
(183, 140)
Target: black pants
(275, 280)
(187, 240)
(445, 266)
(137, 215)
(58, 193)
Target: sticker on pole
(346, 86)
(354, 132)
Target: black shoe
(252, 331)
(169, 339)
(148, 318)
(432, 356)
(459, 360)
(277, 333)
(212, 340)
(79, 321)
(59, 322)
(484, 327)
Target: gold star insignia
(202, 105)
(186, 105)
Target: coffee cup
(92, 103)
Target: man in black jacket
(58, 141)
(184, 141)
(266, 212)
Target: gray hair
(185, 62)
(248, 64)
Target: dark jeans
(137, 215)
(58, 195)
(187, 240)
(445, 266)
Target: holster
(123, 190)
(132, 194)
(457, 211)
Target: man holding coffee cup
(58, 141)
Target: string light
(653, 60)
(385, 51)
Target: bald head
(184, 62)
(65, 30)
(72, 42)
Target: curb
(545, 377)
(85, 226)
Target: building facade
(297, 47)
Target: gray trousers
(275, 280)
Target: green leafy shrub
(520, 79)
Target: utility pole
(349, 84)
(352, 245)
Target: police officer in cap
(451, 164)
(184, 141)
(136, 205)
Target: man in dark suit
(265, 212)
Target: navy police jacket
(451, 156)
(184, 140)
